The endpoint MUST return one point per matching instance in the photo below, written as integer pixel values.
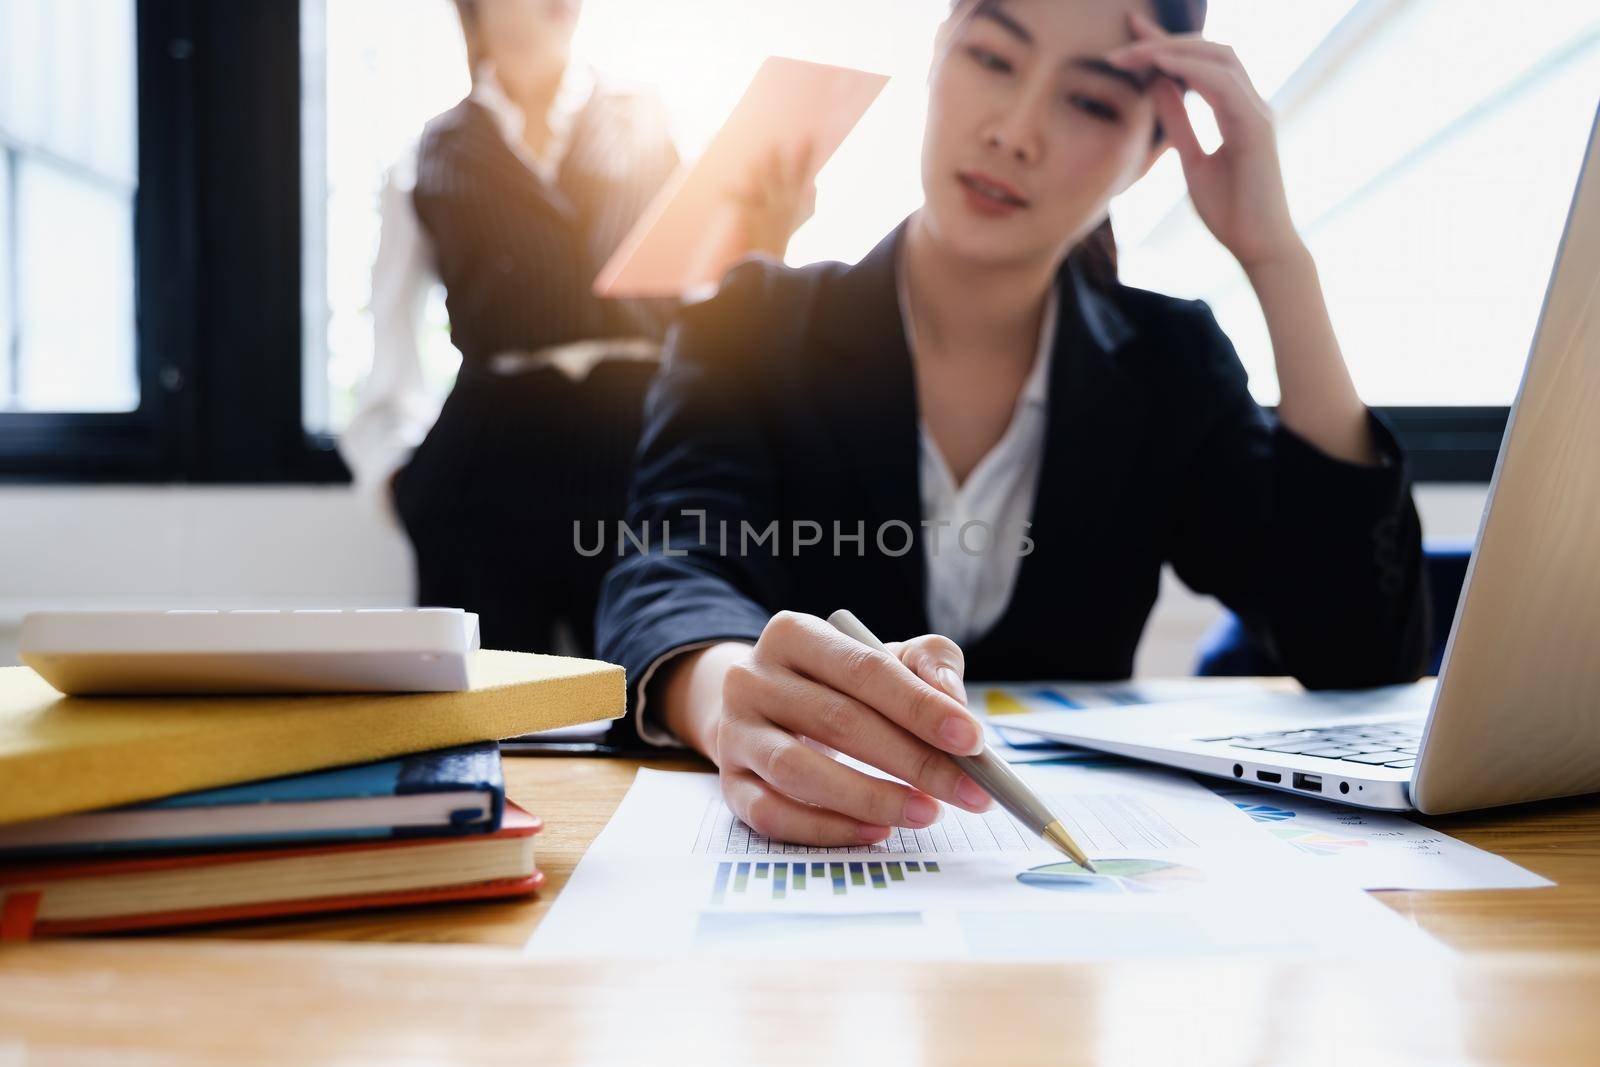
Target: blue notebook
(443, 792)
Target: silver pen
(989, 770)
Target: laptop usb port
(1311, 783)
(1269, 776)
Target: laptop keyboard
(1382, 744)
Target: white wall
(183, 546)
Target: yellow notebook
(62, 754)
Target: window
(149, 288)
(67, 182)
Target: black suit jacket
(791, 397)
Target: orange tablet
(689, 236)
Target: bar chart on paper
(1100, 822)
(780, 880)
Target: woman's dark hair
(1181, 16)
(1096, 255)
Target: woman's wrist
(1289, 258)
(690, 691)
(1317, 399)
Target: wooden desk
(1525, 989)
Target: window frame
(218, 231)
(217, 271)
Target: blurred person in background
(517, 197)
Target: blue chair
(1229, 651)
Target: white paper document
(1375, 849)
(1182, 873)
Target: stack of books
(124, 813)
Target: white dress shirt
(974, 533)
(396, 408)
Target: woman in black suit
(976, 431)
(523, 191)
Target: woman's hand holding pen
(776, 200)
(805, 685)
(1237, 190)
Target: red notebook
(87, 896)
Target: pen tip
(1057, 835)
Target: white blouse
(974, 533)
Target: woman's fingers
(766, 181)
(839, 721)
(806, 684)
(811, 647)
(796, 770)
(937, 660)
(800, 166)
(772, 175)
(775, 199)
(1224, 88)
(1212, 68)
(1147, 31)
(799, 191)
(769, 812)
(1150, 36)
(1219, 58)
(1175, 121)
(780, 177)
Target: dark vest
(518, 256)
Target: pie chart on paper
(1113, 876)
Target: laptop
(1515, 713)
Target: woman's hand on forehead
(1238, 189)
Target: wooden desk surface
(1524, 990)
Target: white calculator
(366, 650)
